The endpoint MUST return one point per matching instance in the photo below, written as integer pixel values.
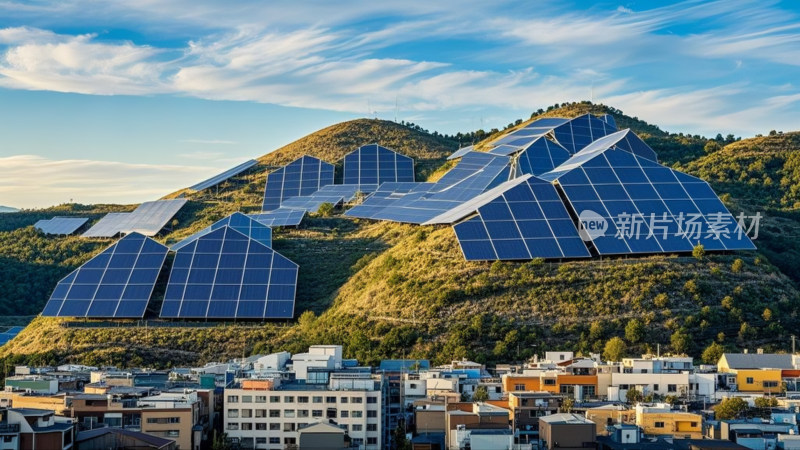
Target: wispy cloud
(35, 181)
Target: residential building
(32, 383)
(468, 425)
(114, 438)
(322, 436)
(35, 429)
(610, 415)
(661, 420)
(526, 408)
(566, 432)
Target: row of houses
(319, 399)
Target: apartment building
(34, 429)
(269, 414)
(662, 420)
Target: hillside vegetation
(392, 290)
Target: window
(289, 413)
(261, 427)
(659, 424)
(316, 399)
(261, 440)
(163, 420)
(770, 384)
(274, 412)
(356, 414)
(261, 413)
(316, 413)
(233, 426)
(519, 387)
(172, 433)
(624, 386)
(274, 399)
(274, 440)
(302, 399)
(372, 413)
(247, 413)
(288, 399)
(247, 426)
(372, 427)
(290, 441)
(655, 387)
(372, 399)
(302, 413)
(288, 427)
(274, 427)
(413, 385)
(247, 399)
(233, 399)
(694, 424)
(261, 399)
(232, 414)
(356, 400)
(549, 382)
(358, 442)
(344, 414)
(372, 441)
(644, 370)
(344, 400)
(672, 388)
(330, 399)
(358, 427)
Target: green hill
(392, 290)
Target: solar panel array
(521, 220)
(303, 176)
(117, 283)
(147, 219)
(372, 165)
(225, 274)
(239, 222)
(281, 217)
(460, 152)
(60, 225)
(9, 334)
(541, 156)
(632, 194)
(217, 179)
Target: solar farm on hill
(394, 289)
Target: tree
(325, 209)
(567, 405)
(730, 408)
(680, 342)
(767, 314)
(766, 402)
(221, 442)
(713, 353)
(634, 331)
(712, 146)
(634, 396)
(615, 349)
(480, 395)
(699, 252)
(737, 265)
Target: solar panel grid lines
(60, 225)
(460, 152)
(526, 220)
(108, 225)
(541, 156)
(303, 176)
(9, 334)
(633, 194)
(281, 217)
(373, 164)
(238, 221)
(147, 219)
(219, 178)
(116, 283)
(226, 275)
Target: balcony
(9, 428)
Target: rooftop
(758, 361)
(561, 419)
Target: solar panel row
(217, 179)
(60, 225)
(147, 219)
(239, 222)
(373, 165)
(9, 334)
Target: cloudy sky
(126, 101)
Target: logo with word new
(592, 225)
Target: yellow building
(661, 420)
(54, 402)
(608, 415)
(767, 381)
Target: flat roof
(573, 419)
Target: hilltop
(7, 209)
(386, 289)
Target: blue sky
(126, 101)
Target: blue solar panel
(239, 222)
(60, 225)
(460, 152)
(226, 275)
(281, 217)
(609, 119)
(373, 165)
(117, 283)
(303, 176)
(9, 334)
(581, 131)
(525, 221)
(646, 207)
(541, 156)
(217, 179)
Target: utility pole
(793, 338)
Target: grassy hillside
(392, 290)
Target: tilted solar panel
(60, 225)
(303, 176)
(226, 275)
(147, 219)
(117, 283)
(373, 165)
(460, 152)
(581, 131)
(281, 217)
(239, 222)
(519, 220)
(644, 207)
(108, 225)
(217, 179)
(541, 156)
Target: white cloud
(35, 181)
